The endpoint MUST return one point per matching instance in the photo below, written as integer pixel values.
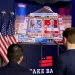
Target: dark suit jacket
(14, 69)
(65, 64)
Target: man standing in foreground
(65, 64)
(15, 56)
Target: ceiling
(54, 3)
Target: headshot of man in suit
(65, 63)
(52, 23)
(15, 56)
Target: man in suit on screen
(52, 23)
(15, 56)
(65, 63)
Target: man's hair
(69, 34)
(15, 51)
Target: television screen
(38, 23)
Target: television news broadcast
(40, 24)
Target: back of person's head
(69, 34)
(15, 52)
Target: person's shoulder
(63, 55)
(2, 68)
(24, 69)
(67, 53)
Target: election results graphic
(41, 23)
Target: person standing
(65, 63)
(15, 56)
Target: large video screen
(37, 23)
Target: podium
(36, 52)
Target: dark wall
(7, 5)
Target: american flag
(3, 39)
(7, 37)
(11, 32)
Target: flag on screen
(3, 39)
(61, 11)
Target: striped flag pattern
(46, 62)
(11, 32)
(3, 40)
(7, 37)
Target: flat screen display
(38, 23)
